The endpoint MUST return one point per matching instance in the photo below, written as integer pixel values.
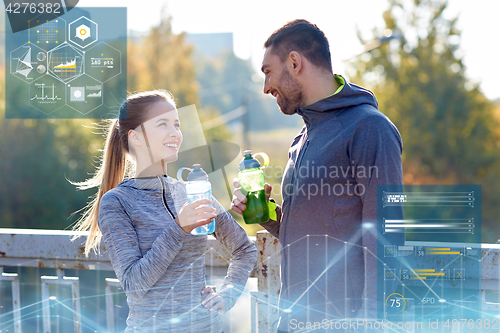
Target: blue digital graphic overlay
(430, 258)
(68, 66)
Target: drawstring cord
(158, 176)
(163, 197)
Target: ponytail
(109, 175)
(114, 161)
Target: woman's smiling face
(162, 132)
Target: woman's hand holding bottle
(195, 214)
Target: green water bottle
(251, 179)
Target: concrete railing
(47, 259)
(56, 261)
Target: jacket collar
(350, 95)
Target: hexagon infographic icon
(47, 94)
(103, 62)
(49, 34)
(83, 32)
(65, 62)
(84, 94)
(61, 68)
(28, 62)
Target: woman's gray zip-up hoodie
(160, 266)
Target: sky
(253, 21)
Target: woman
(145, 223)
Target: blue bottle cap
(248, 162)
(198, 174)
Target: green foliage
(227, 82)
(40, 156)
(448, 127)
(162, 60)
(37, 158)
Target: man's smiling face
(281, 84)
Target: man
(345, 149)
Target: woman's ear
(134, 138)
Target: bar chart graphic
(429, 199)
(430, 226)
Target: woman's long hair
(115, 161)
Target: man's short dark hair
(303, 37)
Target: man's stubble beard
(292, 96)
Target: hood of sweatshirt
(148, 192)
(350, 95)
(152, 184)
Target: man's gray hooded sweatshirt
(161, 267)
(346, 148)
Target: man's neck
(320, 87)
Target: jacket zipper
(302, 152)
(299, 159)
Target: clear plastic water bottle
(198, 187)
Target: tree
(40, 156)
(228, 81)
(448, 126)
(162, 60)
